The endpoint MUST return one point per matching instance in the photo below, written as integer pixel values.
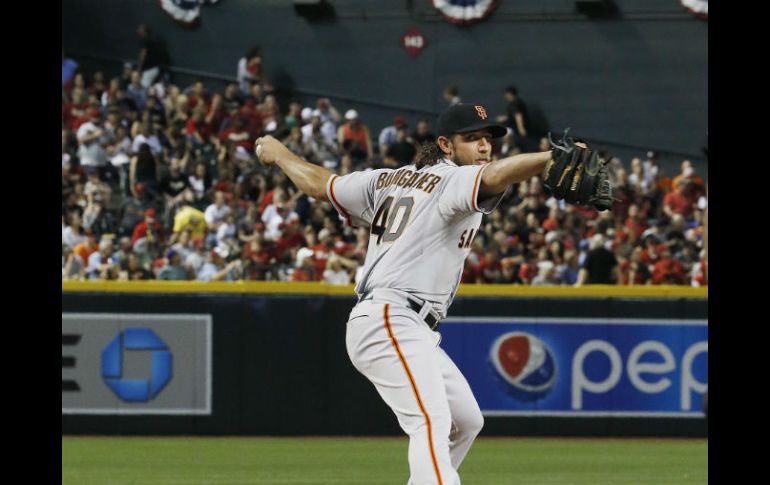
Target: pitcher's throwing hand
(269, 150)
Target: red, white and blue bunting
(699, 8)
(464, 12)
(187, 13)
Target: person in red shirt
(252, 120)
(306, 271)
(680, 200)
(198, 131)
(291, 238)
(196, 94)
(490, 268)
(668, 271)
(149, 226)
(238, 135)
(259, 254)
(322, 250)
(353, 137)
(75, 112)
(687, 173)
(636, 222)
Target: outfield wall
(269, 359)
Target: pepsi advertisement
(581, 367)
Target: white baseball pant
(394, 348)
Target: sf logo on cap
(482, 112)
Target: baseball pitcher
(422, 220)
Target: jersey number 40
(387, 215)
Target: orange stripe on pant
(414, 388)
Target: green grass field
(376, 461)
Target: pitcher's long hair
(429, 154)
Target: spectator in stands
(320, 149)
(216, 211)
(200, 184)
(144, 169)
(195, 260)
(131, 210)
(149, 227)
(173, 269)
(293, 141)
(634, 271)
(199, 132)
(680, 200)
(402, 151)
(667, 270)
(73, 233)
(319, 129)
(227, 231)
(124, 249)
(153, 58)
(546, 274)
(304, 270)
(600, 266)
(232, 99)
(422, 133)
(86, 248)
(490, 269)
(189, 219)
(337, 270)
(329, 113)
(144, 132)
(687, 174)
(277, 213)
(651, 168)
(136, 91)
(72, 265)
(568, 271)
(388, 134)
(97, 218)
(75, 110)
(217, 269)
(100, 262)
(254, 97)
(174, 186)
(91, 150)
(269, 110)
(238, 135)
(699, 274)
(353, 138)
(250, 70)
(132, 269)
(516, 118)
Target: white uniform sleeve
(460, 189)
(353, 196)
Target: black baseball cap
(464, 118)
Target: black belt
(431, 321)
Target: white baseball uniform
(422, 225)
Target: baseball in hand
(259, 150)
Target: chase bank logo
(525, 363)
(141, 390)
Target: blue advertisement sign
(581, 367)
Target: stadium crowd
(159, 181)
